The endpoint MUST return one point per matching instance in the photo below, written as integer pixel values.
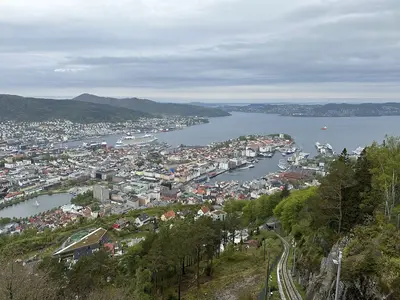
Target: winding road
(287, 288)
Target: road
(287, 288)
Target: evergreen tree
(142, 284)
(285, 192)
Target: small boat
(324, 128)
(251, 166)
(36, 203)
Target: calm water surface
(28, 208)
(341, 132)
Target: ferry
(133, 140)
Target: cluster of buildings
(26, 134)
(142, 176)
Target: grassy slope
(238, 275)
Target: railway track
(287, 288)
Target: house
(184, 213)
(203, 211)
(169, 215)
(143, 219)
(252, 243)
(120, 224)
(218, 215)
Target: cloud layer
(202, 49)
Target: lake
(28, 208)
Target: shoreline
(23, 199)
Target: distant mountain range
(157, 108)
(88, 108)
(321, 110)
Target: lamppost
(339, 263)
(294, 258)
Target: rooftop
(89, 239)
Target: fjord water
(349, 132)
(341, 132)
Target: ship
(283, 165)
(140, 140)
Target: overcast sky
(202, 50)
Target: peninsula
(321, 110)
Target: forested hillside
(356, 209)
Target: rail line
(287, 288)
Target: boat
(140, 140)
(118, 143)
(283, 165)
(251, 166)
(104, 144)
(36, 203)
(202, 179)
(291, 150)
(265, 154)
(304, 155)
(324, 128)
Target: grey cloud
(343, 41)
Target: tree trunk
(340, 216)
(183, 266)
(198, 268)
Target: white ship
(283, 165)
(140, 140)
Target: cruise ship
(133, 140)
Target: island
(321, 110)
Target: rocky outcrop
(321, 285)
